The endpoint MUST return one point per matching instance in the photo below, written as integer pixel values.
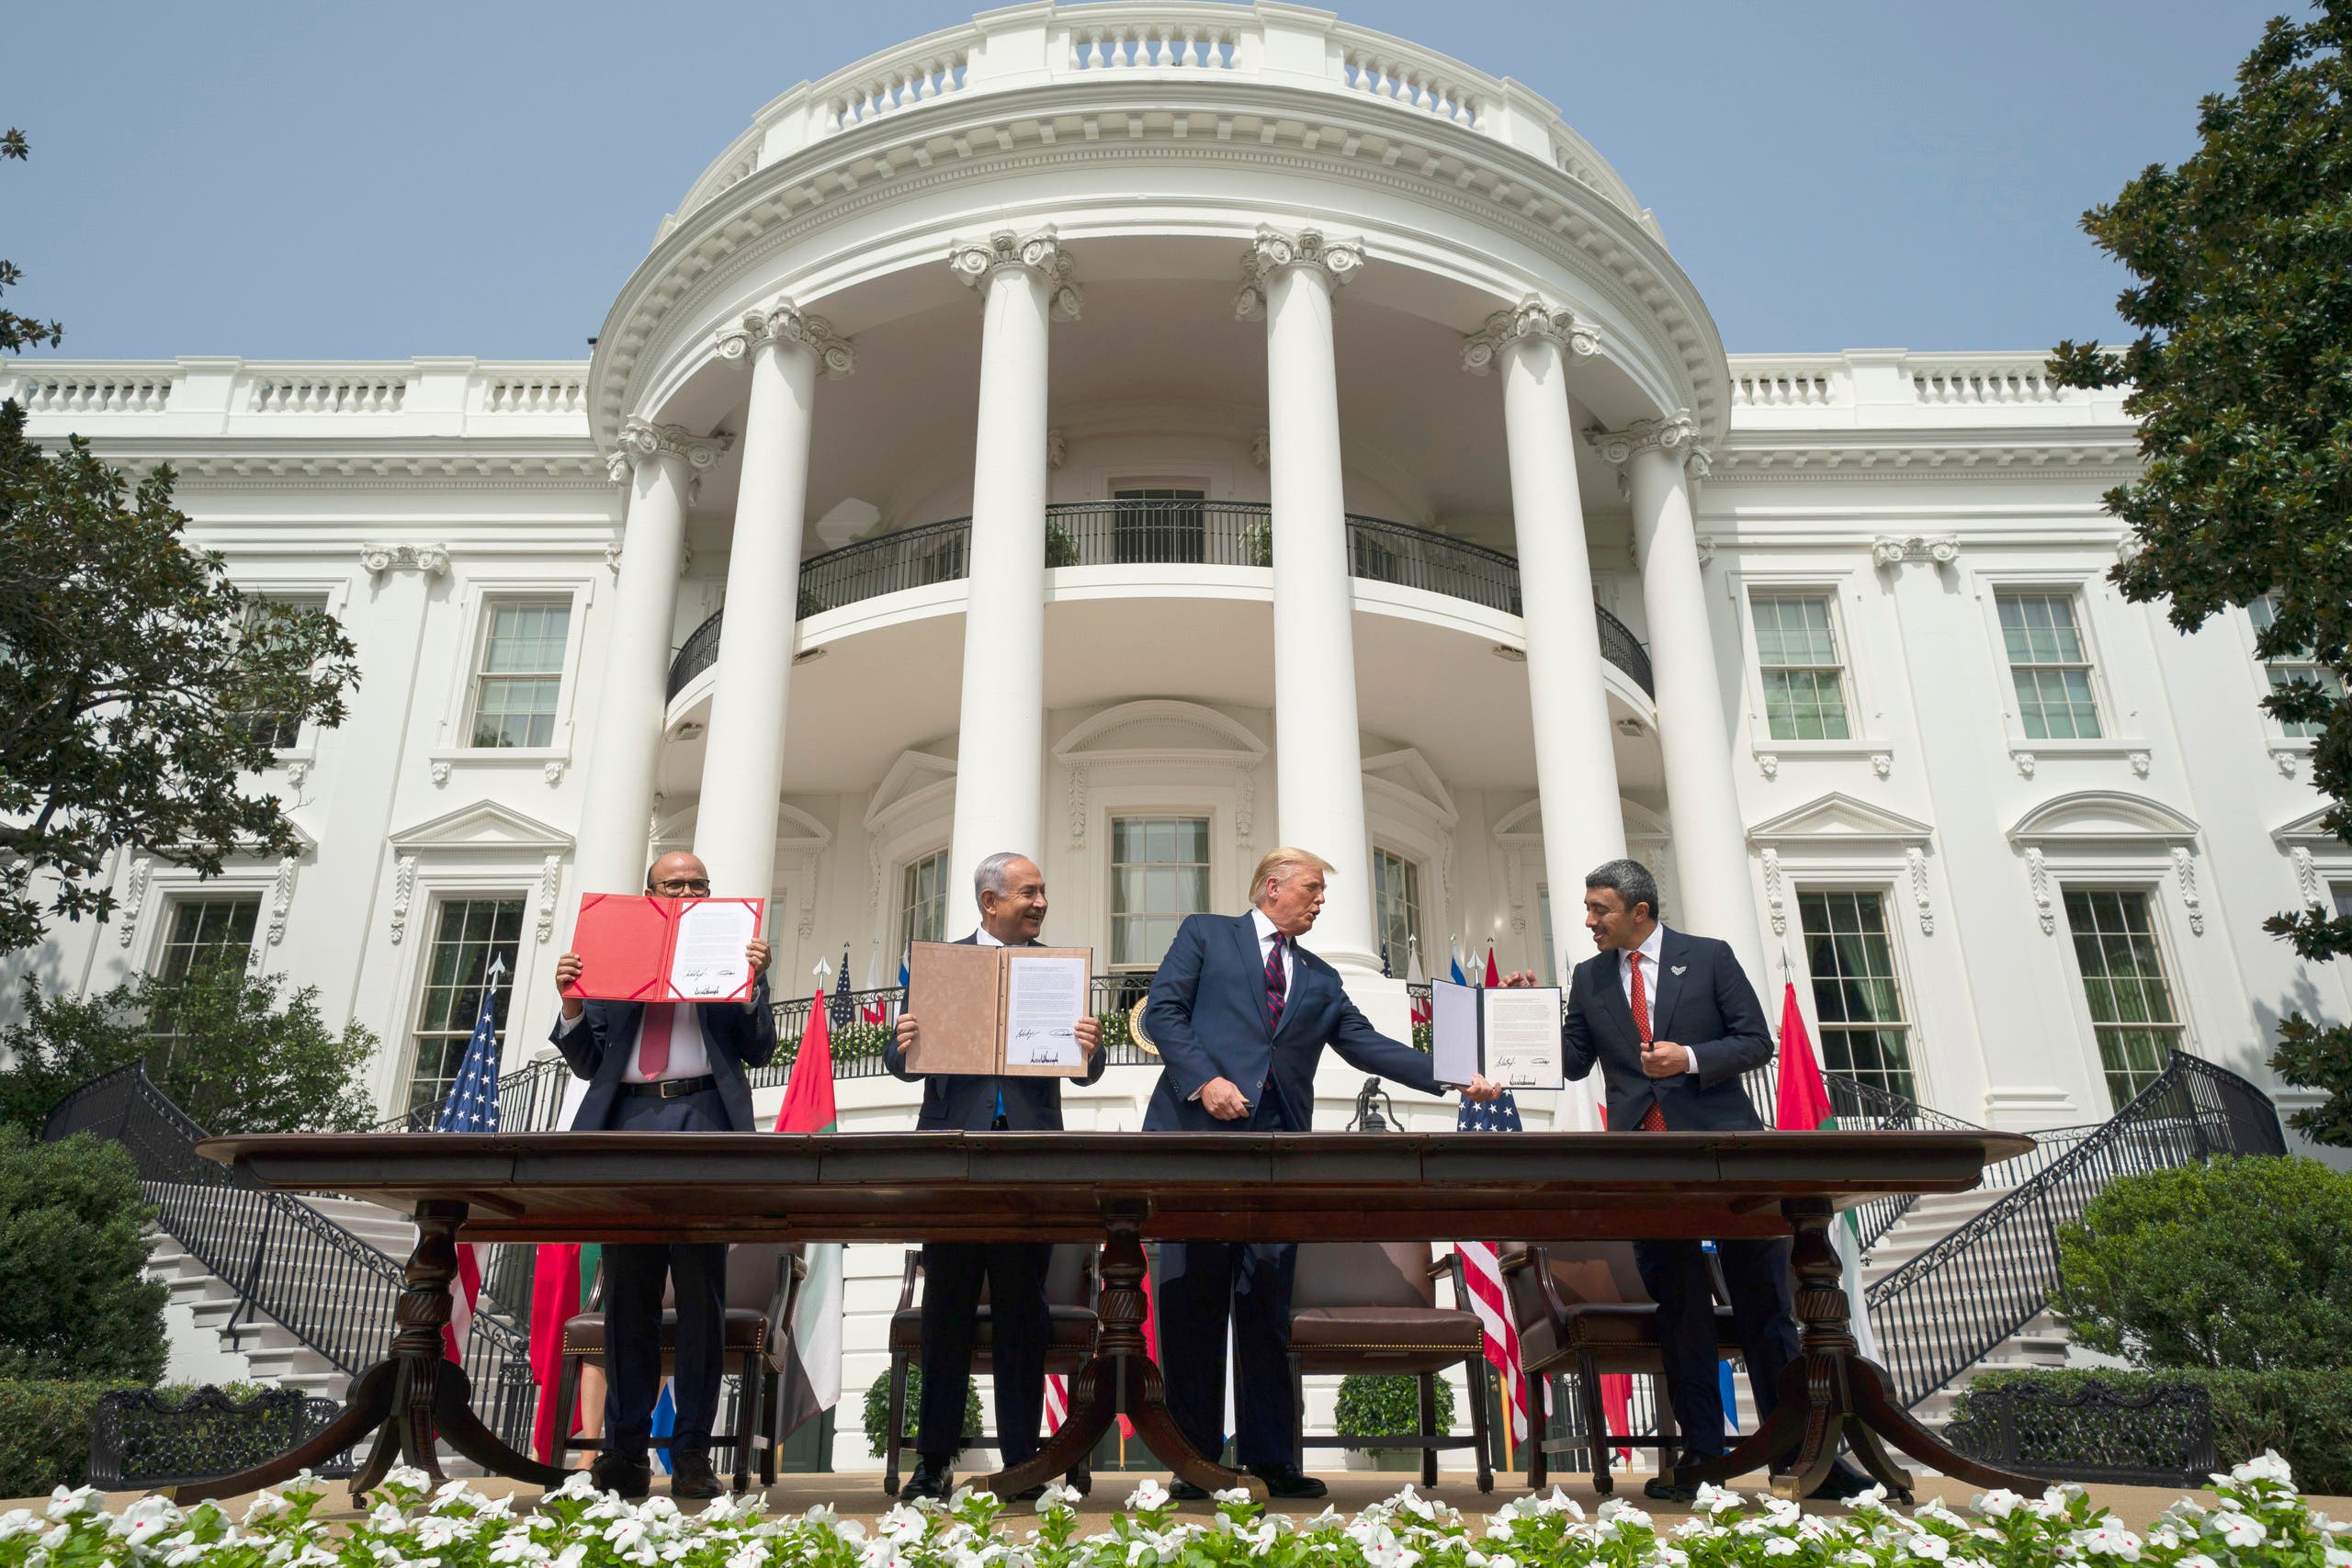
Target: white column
(1576, 762)
(616, 798)
(1318, 789)
(742, 769)
(1024, 284)
(1710, 841)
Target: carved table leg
(1119, 1378)
(411, 1396)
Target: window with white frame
(2298, 666)
(2343, 894)
(1857, 995)
(1804, 677)
(519, 677)
(1158, 523)
(205, 930)
(922, 899)
(2124, 983)
(1397, 906)
(1160, 874)
(468, 934)
(279, 731)
(2050, 665)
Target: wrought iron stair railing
(1949, 1308)
(330, 1289)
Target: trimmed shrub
(73, 1254)
(2241, 1262)
(45, 1434)
(878, 1411)
(2304, 1417)
(1382, 1405)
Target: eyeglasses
(693, 886)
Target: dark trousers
(1763, 1309)
(1201, 1285)
(1019, 1326)
(634, 1274)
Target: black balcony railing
(1161, 533)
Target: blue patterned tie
(1277, 984)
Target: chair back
(751, 1273)
(1596, 1273)
(1069, 1276)
(1363, 1274)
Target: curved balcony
(1176, 532)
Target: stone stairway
(2041, 1343)
(251, 1346)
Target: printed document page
(1523, 1036)
(708, 963)
(1045, 997)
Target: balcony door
(1159, 524)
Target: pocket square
(1680, 967)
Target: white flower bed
(2260, 1524)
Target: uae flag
(813, 1383)
(1802, 1106)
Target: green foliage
(2244, 1263)
(2311, 1056)
(21, 332)
(2305, 1417)
(235, 1059)
(878, 1411)
(140, 687)
(811, 603)
(1384, 1404)
(1060, 549)
(45, 1433)
(72, 1252)
(1258, 542)
(2241, 377)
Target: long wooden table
(1121, 1190)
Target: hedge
(2305, 1417)
(45, 1434)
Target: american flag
(1482, 1272)
(1056, 1403)
(473, 1107)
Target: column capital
(1041, 251)
(783, 322)
(1275, 251)
(1676, 431)
(642, 440)
(1530, 318)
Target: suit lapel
(1245, 937)
(1607, 994)
(1673, 957)
(1300, 977)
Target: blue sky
(321, 180)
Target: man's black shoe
(1288, 1480)
(1184, 1491)
(691, 1476)
(1845, 1481)
(612, 1473)
(1081, 1478)
(932, 1479)
(1659, 1489)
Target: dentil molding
(785, 322)
(430, 559)
(1273, 251)
(1041, 251)
(1530, 318)
(642, 441)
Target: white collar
(982, 937)
(1265, 927)
(1649, 949)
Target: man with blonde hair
(1241, 1014)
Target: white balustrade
(326, 394)
(1155, 44)
(897, 86)
(94, 394)
(1402, 79)
(1946, 385)
(1767, 389)
(551, 394)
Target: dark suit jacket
(1703, 1002)
(736, 1036)
(965, 1102)
(1207, 1016)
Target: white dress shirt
(1266, 934)
(1649, 950)
(981, 936)
(689, 1058)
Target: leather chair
(763, 1286)
(1362, 1306)
(1071, 1287)
(1581, 1308)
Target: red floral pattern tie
(1654, 1121)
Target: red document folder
(627, 944)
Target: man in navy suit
(1673, 1023)
(666, 1068)
(1241, 1015)
(1012, 893)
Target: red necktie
(653, 1044)
(1655, 1120)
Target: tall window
(214, 928)
(521, 672)
(1159, 523)
(1160, 874)
(2123, 980)
(278, 730)
(1804, 680)
(2050, 666)
(2343, 892)
(469, 933)
(1864, 1033)
(922, 898)
(2294, 667)
(1396, 892)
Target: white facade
(994, 275)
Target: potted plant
(1383, 1405)
(877, 1411)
